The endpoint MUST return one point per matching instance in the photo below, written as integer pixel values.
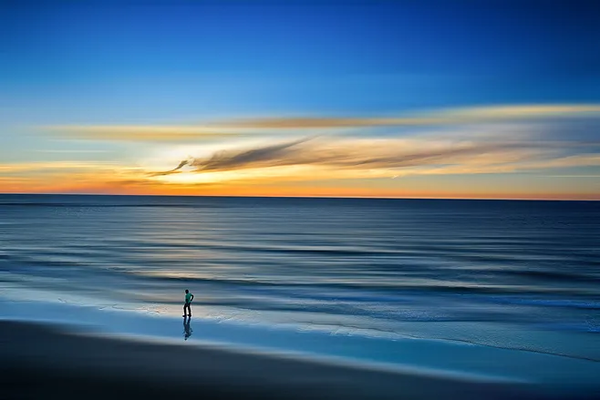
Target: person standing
(188, 303)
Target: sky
(407, 99)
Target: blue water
(509, 274)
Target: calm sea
(361, 266)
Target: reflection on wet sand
(187, 329)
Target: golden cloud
(141, 133)
(39, 167)
(240, 127)
(437, 117)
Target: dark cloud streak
(174, 170)
(260, 156)
(305, 152)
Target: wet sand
(44, 361)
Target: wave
(566, 303)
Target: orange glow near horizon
(499, 156)
(222, 190)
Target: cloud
(237, 127)
(437, 117)
(174, 170)
(485, 148)
(50, 166)
(270, 155)
(331, 165)
(141, 133)
(390, 156)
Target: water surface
(514, 274)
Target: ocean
(505, 274)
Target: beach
(64, 351)
(45, 361)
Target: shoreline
(40, 360)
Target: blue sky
(184, 62)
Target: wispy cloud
(435, 117)
(286, 153)
(141, 133)
(172, 171)
(394, 157)
(236, 127)
(50, 166)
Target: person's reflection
(187, 329)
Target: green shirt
(188, 297)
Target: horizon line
(301, 197)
